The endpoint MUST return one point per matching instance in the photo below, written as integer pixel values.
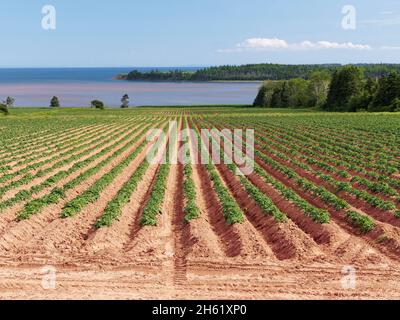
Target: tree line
(348, 89)
(254, 72)
(55, 103)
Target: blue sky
(197, 32)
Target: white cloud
(256, 43)
(268, 44)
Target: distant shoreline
(124, 78)
(120, 77)
(190, 81)
(251, 73)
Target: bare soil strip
(183, 240)
(147, 242)
(205, 281)
(208, 244)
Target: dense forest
(332, 87)
(255, 72)
(348, 88)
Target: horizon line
(195, 66)
(101, 67)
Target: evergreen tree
(276, 96)
(285, 95)
(362, 102)
(388, 91)
(346, 84)
(371, 86)
(260, 100)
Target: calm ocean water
(78, 86)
